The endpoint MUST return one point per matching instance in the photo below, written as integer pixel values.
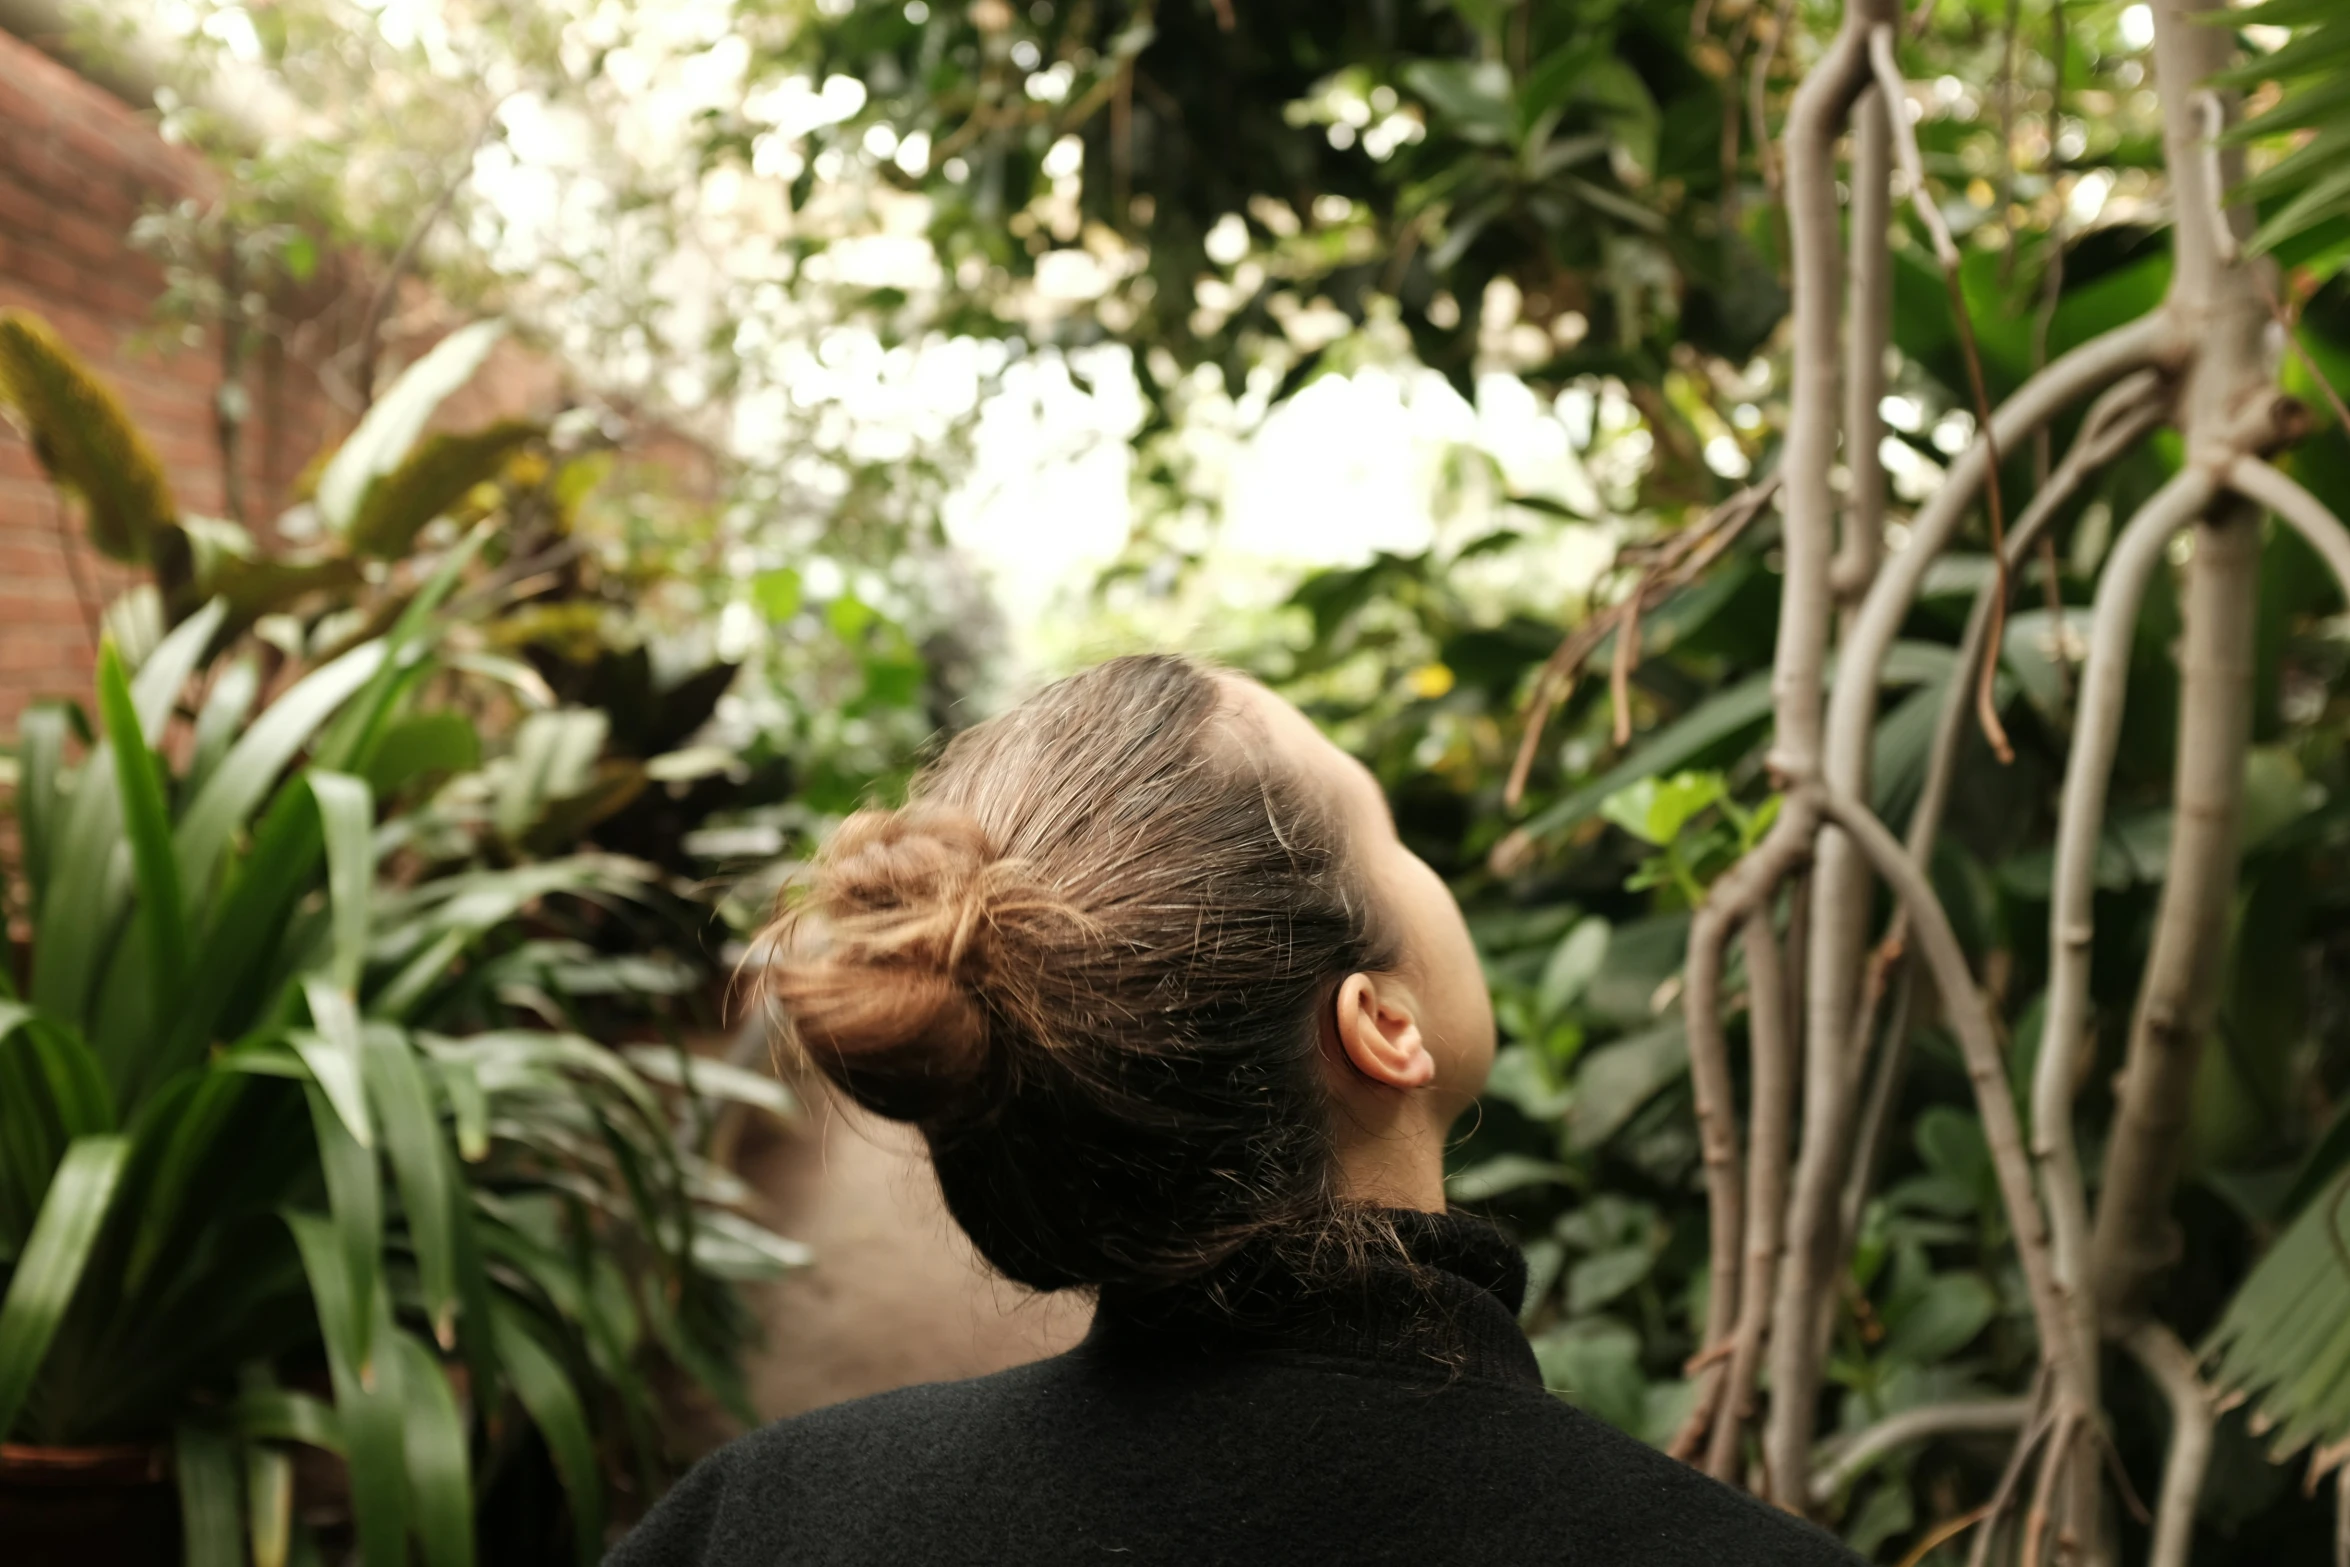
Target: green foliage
(300, 1092)
(2305, 194)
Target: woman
(1185, 1026)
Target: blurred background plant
(351, 1097)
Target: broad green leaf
(52, 1091)
(252, 766)
(334, 1055)
(366, 1398)
(554, 758)
(1616, 1080)
(225, 709)
(1729, 716)
(712, 1079)
(147, 820)
(275, 873)
(346, 820)
(423, 746)
(276, 1414)
(156, 689)
(89, 886)
(40, 738)
(348, 743)
(729, 1246)
(50, 1267)
(1573, 965)
(383, 439)
(546, 1392)
(192, 1138)
(1595, 1280)
(1954, 1309)
(269, 1503)
(1502, 1174)
(413, 1141)
(1655, 810)
(354, 1194)
(440, 1483)
(211, 1512)
(469, 1109)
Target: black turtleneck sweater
(1399, 1420)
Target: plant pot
(87, 1506)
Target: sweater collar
(1447, 1306)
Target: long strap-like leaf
(367, 1406)
(546, 1392)
(210, 1507)
(50, 1268)
(147, 820)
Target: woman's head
(1145, 961)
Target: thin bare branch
(2080, 826)
(2114, 423)
(2179, 994)
(1869, 274)
(2172, 1366)
(1925, 1423)
(1770, 1119)
(1963, 1006)
(2299, 510)
(1805, 607)
(1905, 143)
(1741, 894)
(1683, 558)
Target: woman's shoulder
(1634, 1503)
(743, 1502)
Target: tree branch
(2134, 1240)
(2080, 826)
(2172, 1366)
(1973, 1417)
(1771, 1098)
(1870, 271)
(2299, 510)
(1986, 1066)
(1818, 113)
(1742, 894)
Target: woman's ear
(1378, 1035)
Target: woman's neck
(1399, 1165)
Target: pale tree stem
(2220, 299)
(1870, 275)
(1813, 122)
(1743, 893)
(1717, 1142)
(2064, 1040)
(1925, 1423)
(2299, 510)
(2134, 1239)
(1812, 126)
(1771, 1100)
(2172, 1366)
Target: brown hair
(1086, 960)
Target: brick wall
(77, 167)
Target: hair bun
(896, 967)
